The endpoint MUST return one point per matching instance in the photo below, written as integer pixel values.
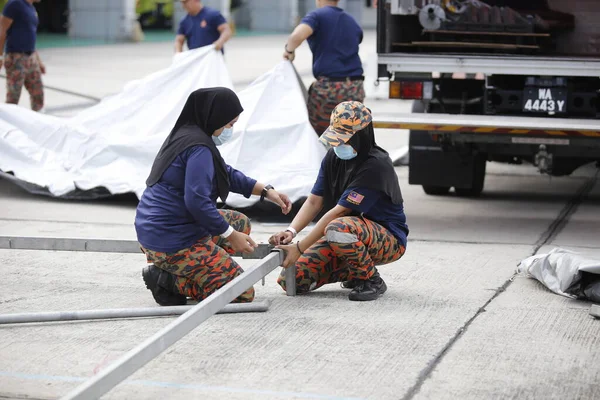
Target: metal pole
(136, 358)
(117, 313)
(290, 280)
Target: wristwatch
(263, 194)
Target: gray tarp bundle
(566, 273)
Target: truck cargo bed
(490, 27)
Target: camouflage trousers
(206, 266)
(351, 249)
(324, 96)
(24, 70)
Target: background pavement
(455, 323)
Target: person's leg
(33, 83)
(319, 107)
(363, 244)
(200, 270)
(316, 267)
(239, 222)
(15, 76)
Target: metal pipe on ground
(139, 356)
(118, 313)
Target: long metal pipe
(117, 313)
(146, 351)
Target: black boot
(352, 283)
(162, 286)
(367, 290)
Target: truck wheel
(436, 190)
(479, 166)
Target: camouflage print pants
(24, 70)
(324, 96)
(207, 265)
(350, 249)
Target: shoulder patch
(355, 198)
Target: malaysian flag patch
(355, 198)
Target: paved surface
(456, 323)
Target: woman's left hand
(292, 254)
(281, 200)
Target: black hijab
(205, 111)
(372, 168)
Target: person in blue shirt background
(18, 32)
(181, 231)
(202, 26)
(365, 224)
(334, 37)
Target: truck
(508, 81)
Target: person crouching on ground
(181, 231)
(365, 223)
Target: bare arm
(299, 35)
(179, 41)
(226, 34)
(293, 252)
(5, 23)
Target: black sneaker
(162, 285)
(352, 283)
(368, 290)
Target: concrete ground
(456, 322)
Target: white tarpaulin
(109, 148)
(559, 270)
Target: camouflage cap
(347, 118)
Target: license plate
(545, 100)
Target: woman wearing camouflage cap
(365, 223)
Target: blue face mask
(345, 152)
(223, 137)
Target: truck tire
(435, 190)
(479, 167)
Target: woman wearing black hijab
(365, 224)
(181, 231)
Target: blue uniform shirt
(334, 42)
(181, 208)
(373, 204)
(202, 29)
(21, 35)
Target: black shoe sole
(367, 297)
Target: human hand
(281, 200)
(218, 45)
(289, 56)
(241, 243)
(43, 68)
(279, 238)
(292, 254)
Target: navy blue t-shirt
(373, 204)
(21, 35)
(181, 207)
(202, 29)
(334, 42)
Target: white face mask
(345, 152)
(224, 137)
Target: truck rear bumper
(490, 124)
